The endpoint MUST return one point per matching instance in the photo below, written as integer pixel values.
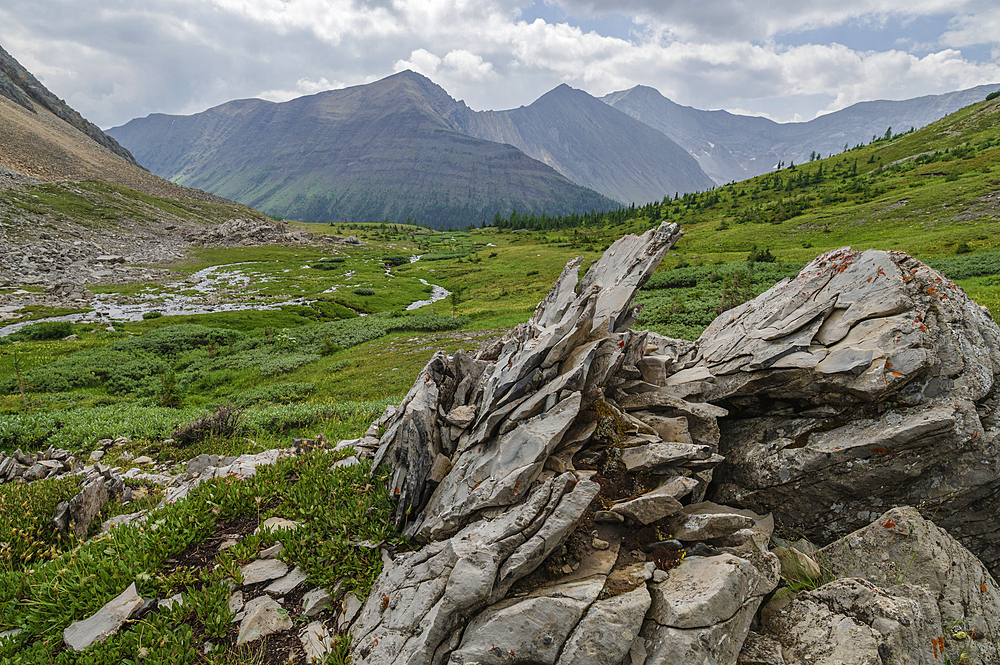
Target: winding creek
(108, 308)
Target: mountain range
(391, 150)
(732, 147)
(403, 148)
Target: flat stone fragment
(87, 505)
(277, 523)
(461, 416)
(288, 583)
(650, 456)
(272, 551)
(650, 507)
(168, 603)
(846, 360)
(315, 601)
(347, 461)
(236, 602)
(703, 591)
(607, 631)
(316, 642)
(104, 623)
(674, 429)
(706, 526)
(717, 644)
(262, 617)
(263, 570)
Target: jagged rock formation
(555, 481)
(500, 457)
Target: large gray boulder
(905, 593)
(865, 382)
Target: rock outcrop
(550, 447)
(905, 592)
(555, 482)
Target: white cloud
(421, 61)
(469, 65)
(303, 86)
(115, 59)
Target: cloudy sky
(114, 60)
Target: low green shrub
(26, 533)
(277, 393)
(395, 260)
(151, 315)
(78, 429)
(44, 330)
(364, 291)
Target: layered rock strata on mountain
(867, 381)
(548, 447)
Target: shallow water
(205, 283)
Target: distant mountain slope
(42, 137)
(387, 150)
(593, 145)
(734, 147)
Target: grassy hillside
(934, 193)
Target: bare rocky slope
(43, 138)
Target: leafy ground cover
(165, 556)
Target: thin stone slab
(80, 635)
(705, 526)
(607, 631)
(288, 583)
(263, 570)
(650, 456)
(316, 601)
(262, 617)
(351, 608)
(316, 642)
(651, 506)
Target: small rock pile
(254, 232)
(27, 468)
